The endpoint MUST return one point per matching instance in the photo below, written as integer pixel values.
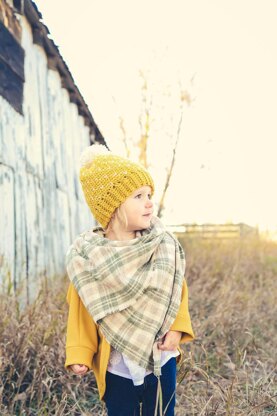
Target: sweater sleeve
(182, 321)
(81, 336)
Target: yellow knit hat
(108, 180)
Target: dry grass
(230, 369)
(33, 380)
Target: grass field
(230, 369)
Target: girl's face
(138, 209)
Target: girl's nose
(149, 203)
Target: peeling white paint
(42, 207)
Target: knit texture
(131, 288)
(108, 180)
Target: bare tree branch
(143, 142)
(123, 130)
(124, 136)
(144, 122)
(184, 97)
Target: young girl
(128, 300)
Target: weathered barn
(44, 125)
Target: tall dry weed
(33, 380)
(231, 366)
(230, 369)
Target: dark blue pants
(122, 398)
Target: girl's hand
(170, 341)
(79, 369)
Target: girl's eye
(139, 196)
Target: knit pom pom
(91, 152)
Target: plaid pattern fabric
(131, 288)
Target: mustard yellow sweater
(86, 345)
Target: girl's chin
(142, 225)
(148, 221)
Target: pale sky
(224, 53)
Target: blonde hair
(120, 215)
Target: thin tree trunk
(170, 171)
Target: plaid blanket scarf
(131, 288)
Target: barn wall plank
(35, 247)
(7, 228)
(31, 105)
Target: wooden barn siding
(42, 205)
